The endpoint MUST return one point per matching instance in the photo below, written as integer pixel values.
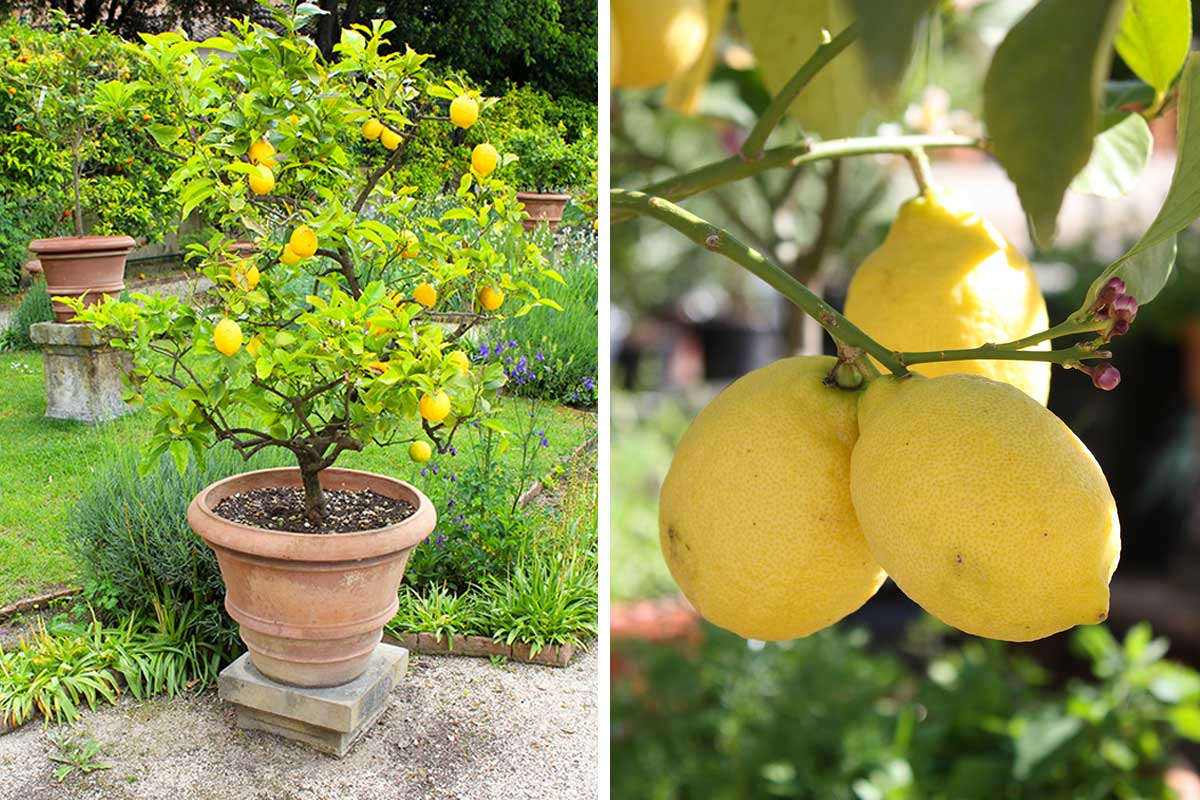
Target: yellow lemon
(983, 506)
(658, 40)
(755, 518)
(303, 241)
(409, 244)
(289, 256)
(460, 360)
(464, 111)
(260, 152)
(420, 452)
(254, 345)
(491, 297)
(425, 294)
(435, 407)
(390, 139)
(484, 159)
(372, 128)
(227, 337)
(945, 279)
(251, 278)
(262, 180)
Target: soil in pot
(281, 508)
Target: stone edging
(537, 488)
(33, 603)
(481, 647)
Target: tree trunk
(314, 496)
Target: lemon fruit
(435, 407)
(303, 241)
(289, 256)
(420, 452)
(409, 244)
(371, 129)
(755, 518)
(464, 111)
(484, 159)
(262, 180)
(460, 361)
(389, 138)
(227, 336)
(260, 152)
(658, 40)
(983, 506)
(425, 294)
(254, 345)
(491, 297)
(945, 279)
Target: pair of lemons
(790, 501)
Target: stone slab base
(82, 372)
(330, 720)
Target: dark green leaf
(1154, 39)
(888, 32)
(1042, 100)
(1147, 265)
(1039, 738)
(1119, 156)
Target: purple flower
(424, 472)
(483, 350)
(453, 450)
(512, 343)
(539, 356)
(544, 442)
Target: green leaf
(1042, 97)
(1119, 157)
(1154, 39)
(889, 32)
(1147, 265)
(164, 135)
(784, 35)
(1186, 720)
(1039, 738)
(179, 453)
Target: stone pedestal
(329, 720)
(83, 373)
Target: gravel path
(457, 729)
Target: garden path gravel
(457, 728)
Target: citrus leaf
(1119, 157)
(889, 32)
(1154, 39)
(1186, 721)
(1040, 738)
(783, 36)
(1147, 265)
(1041, 133)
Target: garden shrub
(560, 347)
(35, 307)
(130, 536)
(829, 717)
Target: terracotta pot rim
(333, 547)
(545, 195)
(77, 244)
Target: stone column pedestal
(82, 372)
(330, 720)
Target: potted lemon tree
(71, 84)
(343, 329)
(546, 168)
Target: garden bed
(483, 647)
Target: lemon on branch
(435, 407)
(420, 452)
(372, 128)
(484, 159)
(425, 294)
(491, 297)
(303, 241)
(464, 111)
(227, 337)
(262, 180)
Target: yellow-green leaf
(1154, 39)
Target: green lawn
(46, 464)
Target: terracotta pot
(311, 607)
(546, 208)
(93, 266)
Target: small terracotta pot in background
(540, 207)
(93, 266)
(311, 607)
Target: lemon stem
(922, 174)
(752, 149)
(721, 241)
(845, 333)
(791, 156)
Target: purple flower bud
(1119, 328)
(1106, 377)
(1111, 291)
(1124, 308)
